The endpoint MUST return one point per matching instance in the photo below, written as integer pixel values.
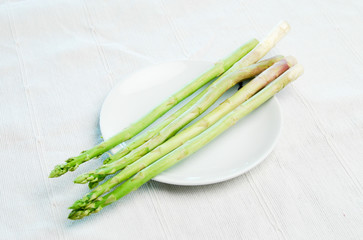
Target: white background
(59, 59)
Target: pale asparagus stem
(239, 97)
(136, 127)
(215, 90)
(276, 34)
(190, 146)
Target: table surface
(59, 59)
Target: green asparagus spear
(136, 127)
(215, 90)
(191, 146)
(238, 98)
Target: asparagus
(190, 146)
(219, 68)
(258, 52)
(239, 97)
(215, 90)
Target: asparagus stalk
(238, 98)
(215, 90)
(257, 53)
(219, 68)
(191, 146)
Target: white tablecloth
(59, 59)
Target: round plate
(231, 154)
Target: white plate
(231, 154)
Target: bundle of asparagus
(167, 143)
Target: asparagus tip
(81, 213)
(82, 179)
(59, 170)
(76, 215)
